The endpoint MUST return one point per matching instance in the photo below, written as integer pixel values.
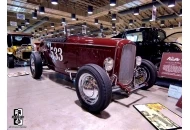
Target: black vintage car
(151, 43)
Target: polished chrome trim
(115, 55)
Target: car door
(55, 53)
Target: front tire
(147, 74)
(36, 65)
(93, 88)
(10, 61)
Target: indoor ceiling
(124, 10)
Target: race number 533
(56, 53)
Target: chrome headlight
(108, 64)
(138, 60)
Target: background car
(151, 43)
(19, 49)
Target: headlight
(108, 64)
(138, 60)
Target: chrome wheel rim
(141, 75)
(88, 88)
(32, 64)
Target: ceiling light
(113, 25)
(84, 24)
(41, 9)
(130, 22)
(96, 21)
(72, 29)
(136, 11)
(151, 19)
(19, 27)
(114, 30)
(40, 29)
(171, 3)
(113, 16)
(180, 14)
(34, 14)
(126, 28)
(73, 16)
(45, 28)
(22, 25)
(54, 2)
(162, 23)
(57, 31)
(63, 20)
(52, 25)
(112, 2)
(90, 9)
(171, 26)
(27, 21)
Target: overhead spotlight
(22, 25)
(90, 9)
(41, 9)
(27, 21)
(130, 22)
(151, 19)
(16, 29)
(34, 14)
(171, 3)
(19, 27)
(180, 13)
(136, 11)
(114, 30)
(72, 29)
(52, 25)
(113, 16)
(54, 2)
(45, 28)
(40, 29)
(96, 21)
(162, 23)
(84, 24)
(73, 16)
(112, 2)
(63, 20)
(113, 25)
(171, 26)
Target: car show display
(94, 64)
(19, 49)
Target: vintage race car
(97, 66)
(151, 43)
(19, 49)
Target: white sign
(154, 13)
(12, 23)
(21, 16)
(174, 91)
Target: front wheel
(36, 65)
(10, 61)
(146, 73)
(93, 88)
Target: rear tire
(151, 73)
(10, 61)
(36, 65)
(92, 78)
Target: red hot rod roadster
(97, 66)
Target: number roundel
(56, 53)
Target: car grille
(127, 64)
(26, 55)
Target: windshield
(19, 40)
(134, 37)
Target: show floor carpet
(51, 103)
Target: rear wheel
(36, 65)
(93, 88)
(146, 73)
(10, 61)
